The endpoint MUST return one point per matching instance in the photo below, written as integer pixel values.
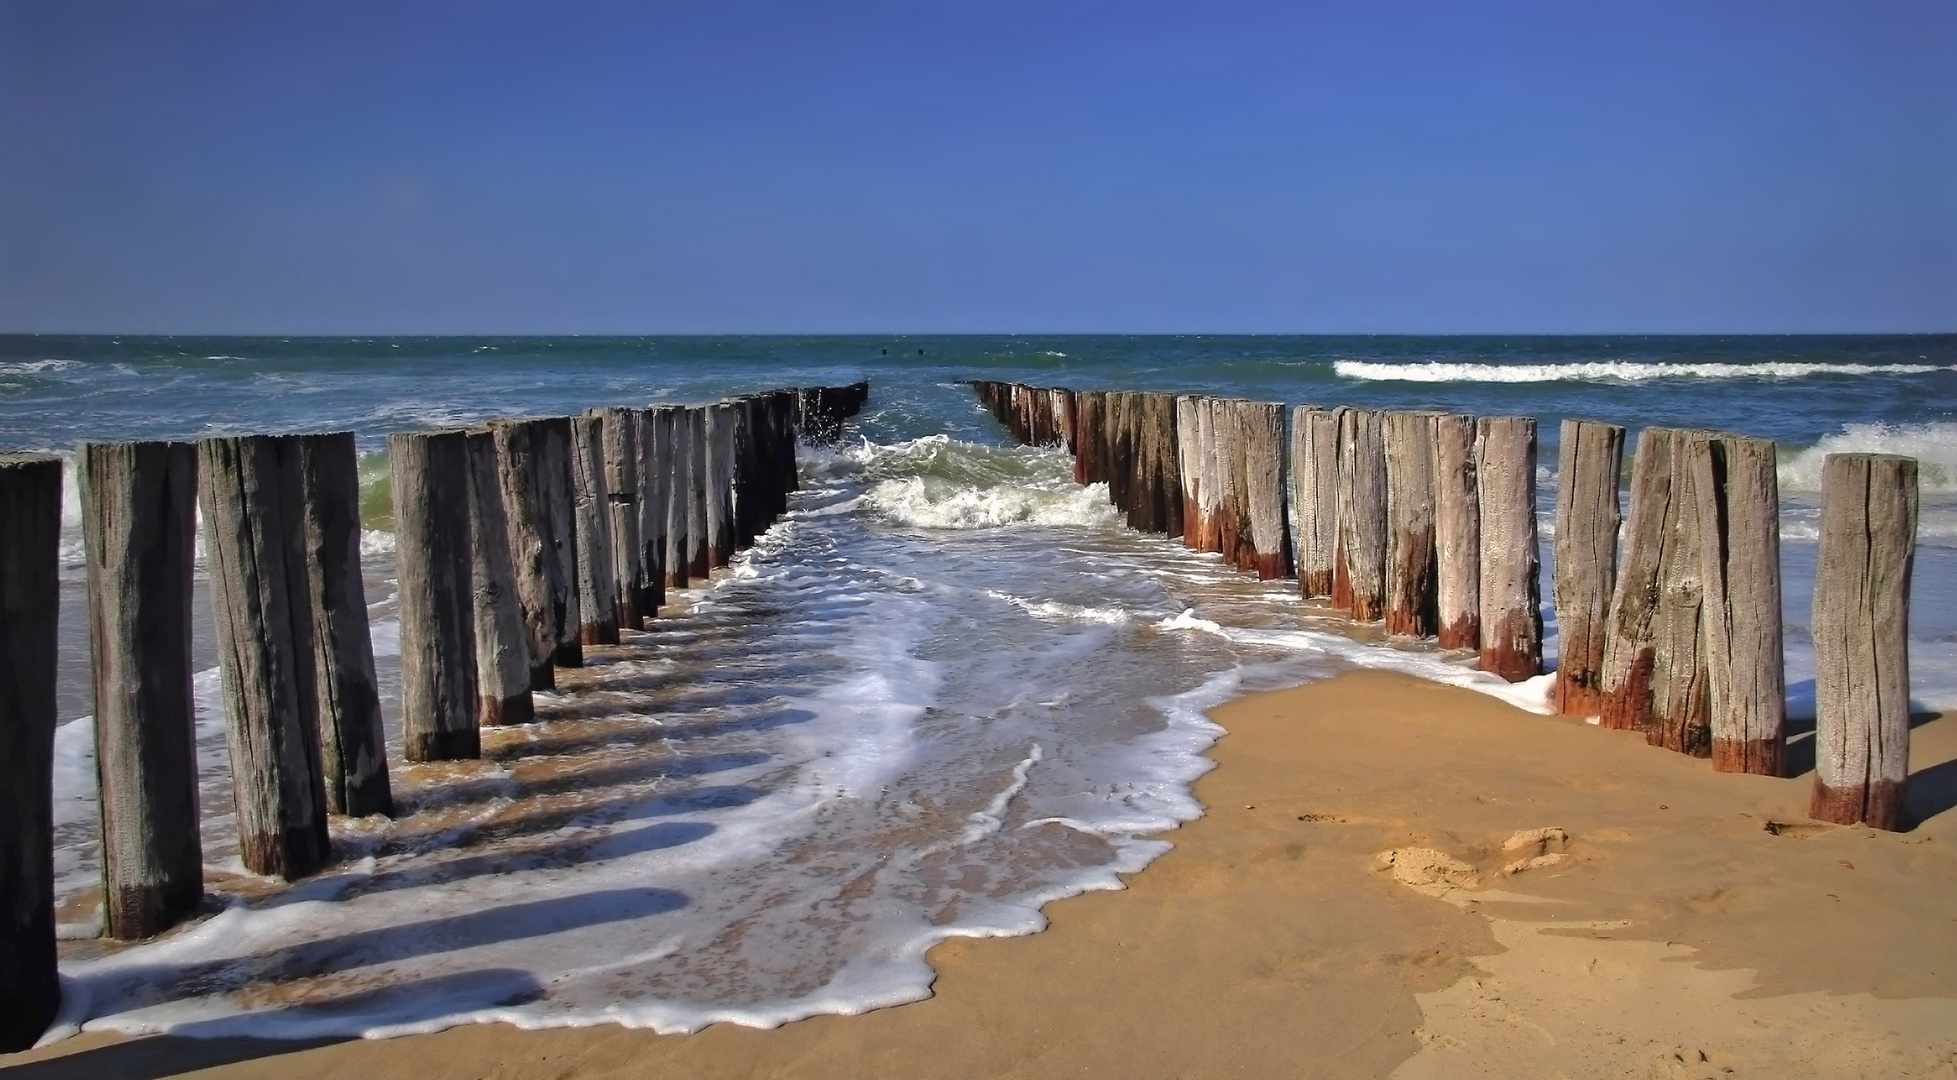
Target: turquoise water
(948, 687)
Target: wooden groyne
(1427, 522)
(517, 543)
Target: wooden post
(1457, 525)
(532, 554)
(1261, 429)
(718, 479)
(675, 470)
(353, 746)
(30, 543)
(655, 454)
(1738, 504)
(1681, 697)
(1233, 431)
(1589, 461)
(1511, 595)
(1412, 596)
(620, 455)
(1861, 638)
(597, 581)
(1121, 452)
(1063, 416)
(438, 619)
(1359, 580)
(139, 528)
(699, 557)
(559, 488)
(502, 641)
(1315, 497)
(747, 487)
(1213, 493)
(1090, 437)
(1188, 462)
(254, 544)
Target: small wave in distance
(1610, 371)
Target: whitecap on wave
(1610, 371)
(1933, 445)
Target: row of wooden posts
(518, 543)
(1427, 521)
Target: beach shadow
(567, 853)
(156, 1057)
(1930, 792)
(211, 1044)
(471, 791)
(383, 945)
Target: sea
(949, 687)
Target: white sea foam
(933, 503)
(1933, 445)
(38, 367)
(1532, 695)
(1610, 371)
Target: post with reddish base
(1861, 638)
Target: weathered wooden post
(1063, 416)
(1189, 451)
(1090, 437)
(353, 747)
(1315, 497)
(1215, 428)
(620, 454)
(502, 641)
(30, 543)
(430, 472)
(1630, 635)
(1511, 596)
(1412, 598)
(139, 527)
(1457, 525)
(676, 471)
(1359, 581)
(540, 591)
(747, 479)
(1121, 452)
(718, 478)
(1590, 459)
(1738, 504)
(559, 489)
(1162, 473)
(1268, 548)
(699, 554)
(655, 454)
(1681, 698)
(597, 581)
(1861, 639)
(254, 543)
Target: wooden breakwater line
(517, 543)
(1425, 521)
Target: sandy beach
(1394, 878)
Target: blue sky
(190, 166)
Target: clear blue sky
(726, 166)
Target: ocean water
(949, 687)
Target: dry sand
(1667, 922)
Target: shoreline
(1271, 941)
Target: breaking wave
(1610, 371)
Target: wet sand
(1661, 920)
